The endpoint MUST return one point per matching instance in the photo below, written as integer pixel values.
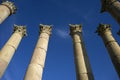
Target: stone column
(6, 9)
(83, 69)
(36, 66)
(112, 46)
(9, 48)
(113, 7)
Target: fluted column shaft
(9, 48)
(36, 66)
(83, 69)
(112, 46)
(113, 7)
(6, 9)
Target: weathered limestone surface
(35, 68)
(6, 9)
(83, 69)
(113, 7)
(9, 48)
(112, 46)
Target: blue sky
(59, 60)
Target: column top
(106, 3)
(46, 29)
(10, 5)
(20, 29)
(75, 28)
(102, 28)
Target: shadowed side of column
(112, 46)
(83, 69)
(113, 7)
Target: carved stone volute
(20, 29)
(46, 29)
(11, 6)
(102, 28)
(77, 28)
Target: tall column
(35, 68)
(83, 69)
(112, 46)
(113, 7)
(6, 9)
(9, 48)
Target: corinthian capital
(20, 29)
(46, 29)
(11, 6)
(106, 3)
(75, 28)
(102, 28)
